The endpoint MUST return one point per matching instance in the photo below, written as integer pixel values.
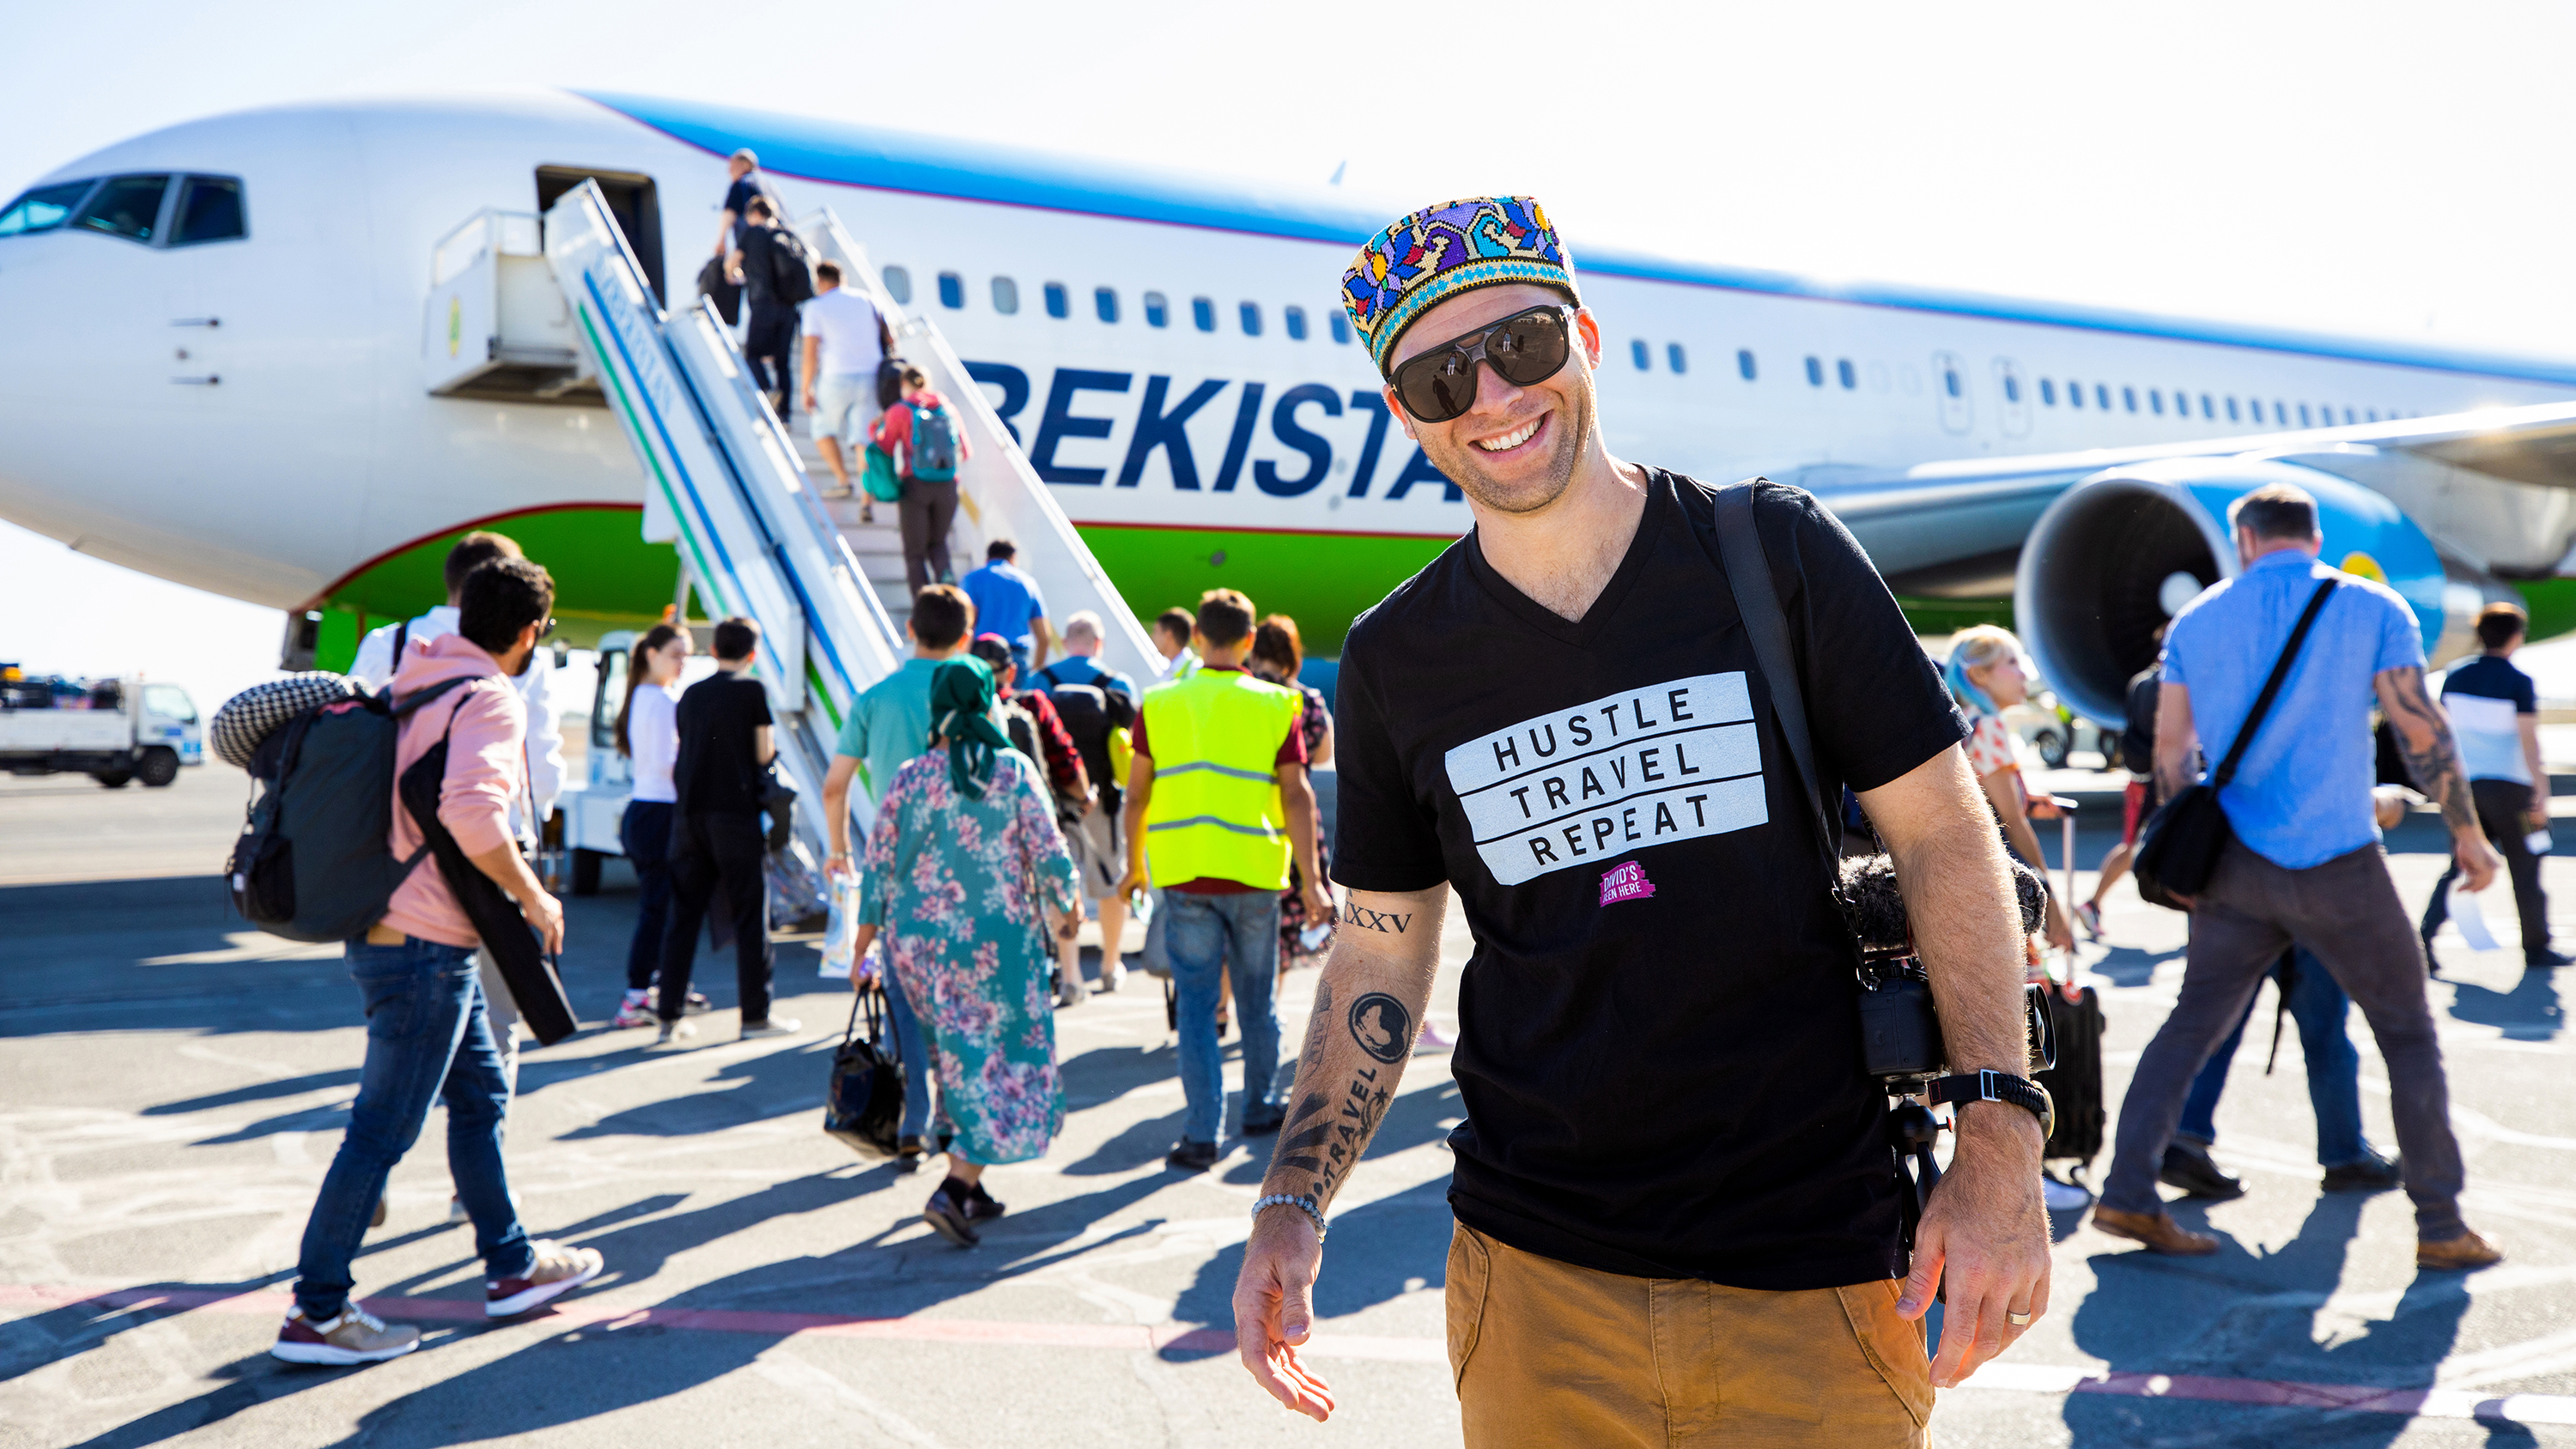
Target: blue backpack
(934, 443)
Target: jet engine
(2121, 552)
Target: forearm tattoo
(1353, 913)
(2435, 764)
(1325, 1135)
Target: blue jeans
(916, 1052)
(2318, 1005)
(428, 1038)
(1204, 934)
(646, 834)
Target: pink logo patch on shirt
(1626, 883)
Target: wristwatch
(1993, 1086)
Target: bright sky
(2369, 168)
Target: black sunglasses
(1524, 349)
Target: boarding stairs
(741, 496)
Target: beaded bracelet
(1299, 1201)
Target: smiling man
(1677, 1210)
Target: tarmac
(172, 1085)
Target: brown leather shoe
(2157, 1230)
(2464, 1252)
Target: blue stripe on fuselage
(865, 156)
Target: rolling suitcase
(2075, 1083)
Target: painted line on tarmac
(2424, 1403)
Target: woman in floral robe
(963, 872)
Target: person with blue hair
(1988, 674)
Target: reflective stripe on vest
(1216, 810)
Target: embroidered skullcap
(1432, 255)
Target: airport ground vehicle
(115, 731)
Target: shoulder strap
(402, 636)
(1757, 602)
(2272, 686)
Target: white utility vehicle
(113, 730)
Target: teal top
(889, 724)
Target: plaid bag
(253, 715)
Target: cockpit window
(210, 209)
(43, 208)
(127, 206)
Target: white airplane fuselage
(248, 416)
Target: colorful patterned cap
(1424, 259)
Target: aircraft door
(2013, 389)
(1950, 391)
(632, 200)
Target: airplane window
(1203, 313)
(2048, 392)
(1158, 312)
(1341, 328)
(1104, 300)
(1744, 362)
(2012, 388)
(210, 209)
(2075, 394)
(898, 284)
(2156, 400)
(1294, 319)
(1638, 354)
(1006, 296)
(1673, 357)
(1815, 373)
(952, 290)
(1950, 380)
(127, 206)
(2129, 395)
(43, 208)
(2102, 396)
(1251, 315)
(1059, 303)
(1844, 372)
(2280, 414)
(2231, 410)
(2347, 415)
(2206, 410)
(2303, 415)
(2371, 415)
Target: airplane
(213, 373)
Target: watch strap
(1989, 1086)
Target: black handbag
(2179, 848)
(864, 1104)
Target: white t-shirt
(375, 666)
(653, 734)
(847, 324)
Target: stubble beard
(1464, 465)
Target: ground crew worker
(1218, 804)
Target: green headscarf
(961, 712)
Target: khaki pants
(1546, 1353)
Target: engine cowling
(2120, 552)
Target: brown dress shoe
(2466, 1251)
(2157, 1230)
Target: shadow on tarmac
(2251, 1314)
(2531, 1011)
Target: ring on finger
(2017, 1320)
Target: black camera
(1900, 1033)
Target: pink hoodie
(486, 765)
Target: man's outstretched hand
(1985, 1229)
(1274, 1309)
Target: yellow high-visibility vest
(1216, 809)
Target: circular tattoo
(1382, 1027)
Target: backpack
(2138, 740)
(791, 267)
(934, 443)
(1091, 712)
(314, 862)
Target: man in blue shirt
(2497, 712)
(889, 723)
(2305, 866)
(1007, 602)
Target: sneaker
(557, 1271)
(1071, 992)
(675, 1032)
(842, 491)
(948, 1216)
(636, 1012)
(1112, 976)
(696, 1004)
(980, 1206)
(2373, 1173)
(2189, 1166)
(1191, 1156)
(2091, 915)
(1260, 1120)
(2062, 1197)
(867, 513)
(356, 1336)
(908, 1154)
(775, 1026)
(2464, 1252)
(2545, 960)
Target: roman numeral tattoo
(1383, 922)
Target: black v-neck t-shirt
(1660, 1049)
